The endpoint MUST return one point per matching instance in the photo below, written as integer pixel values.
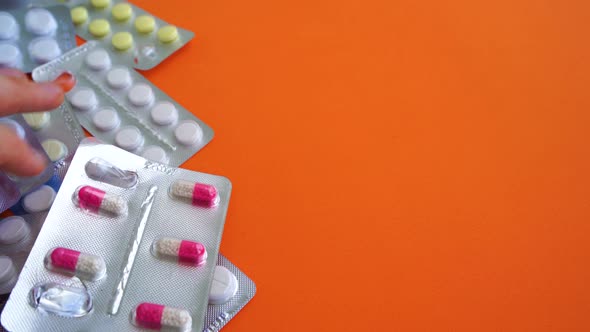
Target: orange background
(397, 165)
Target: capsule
(74, 263)
(100, 202)
(158, 317)
(183, 251)
(199, 194)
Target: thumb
(17, 157)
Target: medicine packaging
(12, 187)
(17, 236)
(133, 35)
(112, 271)
(30, 37)
(119, 106)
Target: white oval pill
(37, 120)
(8, 26)
(55, 149)
(39, 200)
(119, 78)
(9, 55)
(13, 230)
(106, 119)
(188, 133)
(224, 286)
(83, 99)
(40, 21)
(129, 138)
(43, 50)
(8, 275)
(141, 95)
(155, 153)
(164, 113)
(98, 60)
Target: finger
(17, 157)
(12, 72)
(22, 95)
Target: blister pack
(13, 4)
(230, 292)
(119, 106)
(13, 187)
(33, 36)
(17, 236)
(125, 247)
(138, 38)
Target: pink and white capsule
(158, 317)
(183, 251)
(100, 202)
(75, 263)
(199, 194)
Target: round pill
(145, 24)
(100, 4)
(13, 230)
(8, 275)
(188, 133)
(39, 200)
(129, 138)
(99, 28)
(141, 95)
(119, 78)
(164, 113)
(79, 15)
(40, 21)
(98, 60)
(43, 50)
(122, 12)
(224, 286)
(122, 41)
(168, 34)
(55, 149)
(106, 119)
(155, 153)
(37, 120)
(8, 26)
(83, 99)
(9, 55)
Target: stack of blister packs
(112, 235)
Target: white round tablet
(55, 149)
(98, 60)
(43, 50)
(9, 55)
(37, 120)
(164, 113)
(18, 129)
(129, 138)
(155, 153)
(119, 78)
(188, 132)
(8, 275)
(83, 99)
(8, 26)
(141, 95)
(224, 286)
(40, 21)
(13, 230)
(39, 200)
(106, 119)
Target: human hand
(18, 94)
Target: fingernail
(40, 161)
(65, 81)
